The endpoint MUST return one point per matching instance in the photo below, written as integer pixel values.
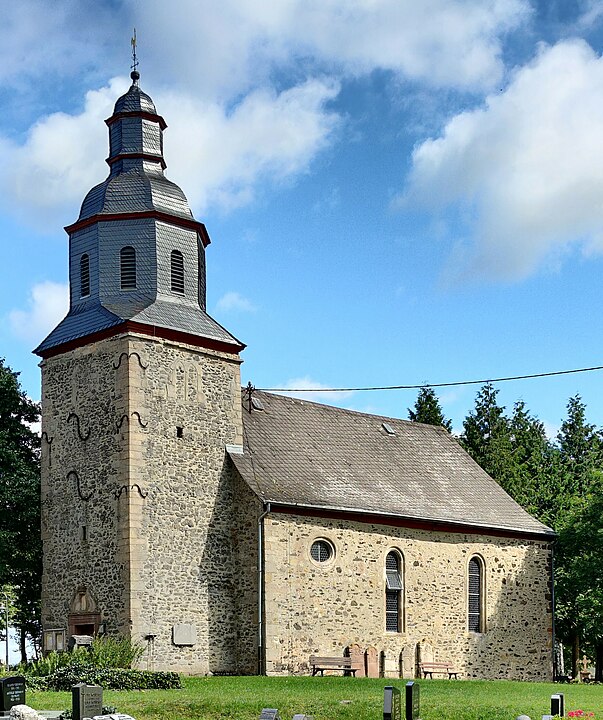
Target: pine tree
(487, 438)
(428, 409)
(581, 449)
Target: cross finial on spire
(135, 75)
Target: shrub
(113, 678)
(110, 652)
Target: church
(239, 532)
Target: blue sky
(396, 192)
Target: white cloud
(526, 169)
(217, 155)
(313, 390)
(48, 304)
(223, 50)
(60, 159)
(234, 301)
(442, 42)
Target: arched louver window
(84, 275)
(127, 257)
(475, 600)
(177, 265)
(393, 592)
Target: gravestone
(357, 658)
(270, 714)
(558, 705)
(372, 662)
(391, 704)
(411, 705)
(301, 716)
(86, 701)
(12, 692)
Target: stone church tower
(140, 401)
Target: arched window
(127, 257)
(393, 592)
(177, 265)
(475, 596)
(84, 275)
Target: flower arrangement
(580, 714)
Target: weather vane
(134, 74)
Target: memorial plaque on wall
(412, 701)
(12, 692)
(86, 701)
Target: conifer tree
(487, 437)
(428, 409)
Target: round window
(321, 551)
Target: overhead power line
(436, 385)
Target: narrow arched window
(84, 275)
(127, 257)
(393, 592)
(475, 596)
(177, 266)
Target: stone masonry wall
(82, 469)
(155, 494)
(314, 609)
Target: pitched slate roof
(311, 455)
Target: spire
(135, 75)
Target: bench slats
(320, 664)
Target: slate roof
(134, 100)
(162, 314)
(307, 454)
(135, 191)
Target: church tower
(140, 402)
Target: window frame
(177, 275)
(479, 627)
(127, 268)
(332, 552)
(84, 275)
(394, 591)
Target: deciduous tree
(20, 545)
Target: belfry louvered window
(177, 266)
(475, 596)
(84, 275)
(393, 592)
(127, 264)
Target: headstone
(391, 704)
(113, 716)
(357, 658)
(372, 662)
(412, 701)
(558, 705)
(12, 692)
(301, 716)
(86, 701)
(270, 714)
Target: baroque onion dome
(136, 253)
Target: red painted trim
(137, 113)
(155, 214)
(142, 329)
(397, 521)
(134, 156)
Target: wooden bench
(320, 664)
(443, 668)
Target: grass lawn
(336, 698)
